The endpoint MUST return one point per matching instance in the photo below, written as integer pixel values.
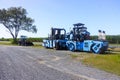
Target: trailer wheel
(102, 51)
(71, 47)
(57, 46)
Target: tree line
(113, 39)
(28, 39)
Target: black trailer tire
(57, 47)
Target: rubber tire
(57, 46)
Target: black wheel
(19, 44)
(102, 51)
(57, 47)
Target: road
(26, 63)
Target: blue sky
(95, 14)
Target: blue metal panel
(79, 46)
(49, 43)
(71, 45)
(87, 45)
(97, 47)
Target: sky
(95, 14)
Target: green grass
(5, 43)
(114, 44)
(74, 55)
(36, 44)
(9, 43)
(106, 62)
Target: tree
(15, 19)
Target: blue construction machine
(56, 39)
(79, 40)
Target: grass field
(109, 62)
(5, 43)
(36, 44)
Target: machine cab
(57, 33)
(56, 39)
(80, 32)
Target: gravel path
(25, 63)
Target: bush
(14, 41)
(4, 39)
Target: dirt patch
(56, 58)
(41, 61)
